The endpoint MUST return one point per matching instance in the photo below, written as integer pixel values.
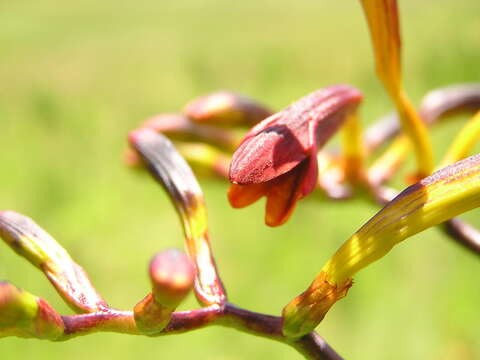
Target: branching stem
(311, 346)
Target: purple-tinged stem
(311, 346)
(123, 322)
(465, 234)
(108, 321)
(251, 322)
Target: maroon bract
(277, 158)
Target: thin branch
(463, 233)
(311, 346)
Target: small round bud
(172, 275)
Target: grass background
(76, 76)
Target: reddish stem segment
(465, 234)
(312, 346)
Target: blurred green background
(76, 76)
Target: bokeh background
(76, 76)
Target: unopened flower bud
(307, 310)
(226, 108)
(25, 315)
(30, 241)
(172, 275)
(278, 157)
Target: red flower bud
(226, 108)
(277, 158)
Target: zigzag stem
(311, 346)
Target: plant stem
(311, 346)
(464, 234)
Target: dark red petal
(309, 176)
(271, 153)
(283, 194)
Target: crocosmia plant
(279, 155)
